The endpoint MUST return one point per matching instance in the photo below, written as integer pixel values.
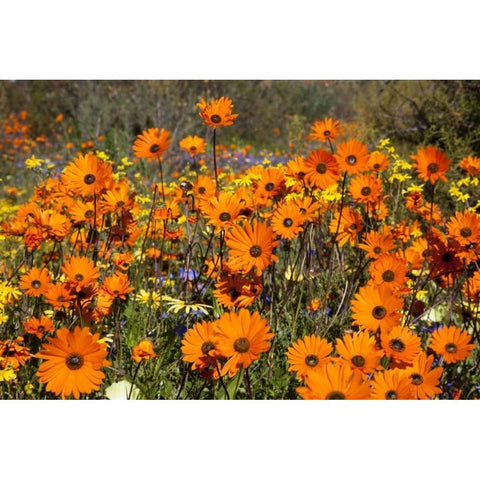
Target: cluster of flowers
(317, 206)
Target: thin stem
(215, 162)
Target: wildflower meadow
(324, 259)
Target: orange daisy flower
(321, 169)
(199, 347)
(217, 113)
(152, 143)
(334, 382)
(87, 175)
(451, 342)
(465, 228)
(374, 307)
(378, 161)
(352, 156)
(471, 165)
(59, 295)
(143, 351)
(193, 145)
(287, 221)
(204, 187)
(222, 211)
(296, 168)
(432, 164)
(359, 352)
(241, 336)
(36, 282)
(73, 362)
(83, 212)
(366, 188)
(389, 269)
(270, 184)
(401, 345)
(38, 326)
(423, 378)
(237, 291)
(392, 385)
(81, 272)
(327, 129)
(308, 354)
(251, 246)
(377, 243)
(351, 225)
(117, 285)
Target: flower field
(334, 268)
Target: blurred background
(272, 114)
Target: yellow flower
(126, 162)
(3, 317)
(293, 274)
(8, 293)
(176, 305)
(413, 188)
(399, 177)
(145, 297)
(7, 373)
(33, 162)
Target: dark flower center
(206, 347)
(225, 217)
(379, 312)
(36, 284)
(450, 347)
(193, 148)
(89, 214)
(376, 166)
(74, 361)
(241, 345)
(79, 277)
(61, 298)
(351, 159)
(447, 257)
(326, 133)
(154, 148)
(120, 203)
(416, 378)
(311, 360)
(465, 232)
(433, 167)
(89, 178)
(269, 186)
(391, 395)
(216, 119)
(388, 276)
(288, 222)
(234, 294)
(41, 328)
(397, 345)
(377, 250)
(201, 190)
(336, 396)
(366, 191)
(353, 226)
(358, 361)
(321, 168)
(255, 251)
